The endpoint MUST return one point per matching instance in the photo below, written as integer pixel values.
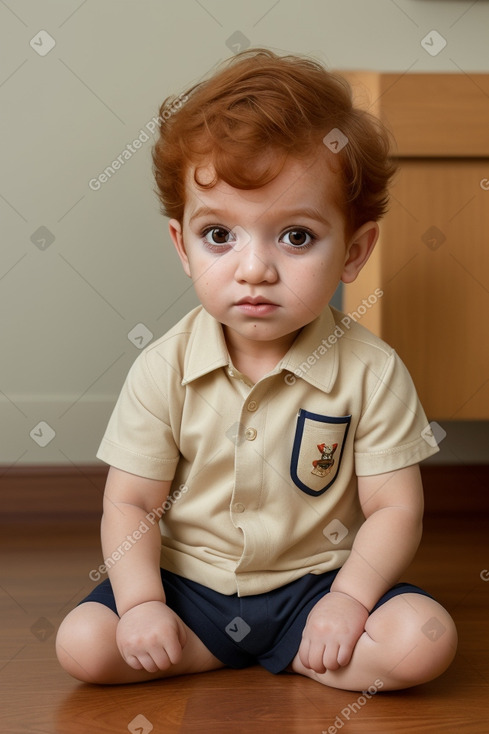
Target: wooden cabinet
(432, 259)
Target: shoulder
(195, 346)
(163, 360)
(176, 339)
(352, 335)
(179, 334)
(367, 361)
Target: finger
(182, 635)
(304, 653)
(330, 656)
(173, 648)
(344, 655)
(161, 658)
(148, 663)
(132, 661)
(317, 654)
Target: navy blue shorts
(243, 631)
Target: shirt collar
(312, 357)
(314, 354)
(206, 349)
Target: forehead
(309, 182)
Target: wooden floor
(44, 572)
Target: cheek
(207, 284)
(314, 283)
(210, 271)
(306, 274)
(201, 287)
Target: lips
(255, 301)
(256, 306)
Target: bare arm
(383, 548)
(128, 502)
(149, 634)
(387, 541)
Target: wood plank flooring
(44, 573)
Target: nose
(255, 262)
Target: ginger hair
(255, 111)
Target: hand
(332, 630)
(151, 636)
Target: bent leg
(409, 640)
(86, 648)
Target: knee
(434, 642)
(423, 641)
(82, 645)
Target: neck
(255, 358)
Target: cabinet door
(435, 278)
(432, 259)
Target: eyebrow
(307, 212)
(204, 211)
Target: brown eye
(298, 238)
(217, 236)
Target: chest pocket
(317, 451)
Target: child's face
(265, 262)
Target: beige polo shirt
(269, 470)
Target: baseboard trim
(454, 489)
(50, 493)
(68, 493)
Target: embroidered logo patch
(318, 447)
(324, 465)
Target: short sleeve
(393, 431)
(139, 437)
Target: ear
(359, 249)
(175, 229)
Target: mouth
(256, 306)
(255, 301)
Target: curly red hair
(253, 113)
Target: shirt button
(250, 434)
(239, 507)
(252, 405)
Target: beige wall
(67, 306)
